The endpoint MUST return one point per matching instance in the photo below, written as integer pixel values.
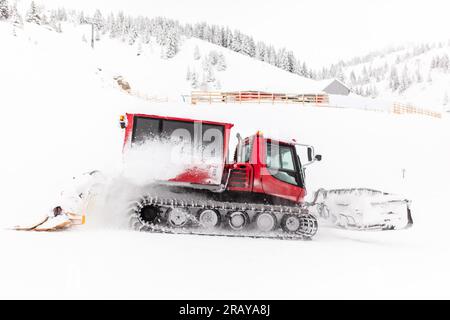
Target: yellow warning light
(259, 133)
(123, 123)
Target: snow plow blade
(32, 225)
(48, 224)
(363, 209)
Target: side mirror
(311, 155)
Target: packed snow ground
(60, 118)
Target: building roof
(326, 82)
(298, 85)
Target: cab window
(280, 157)
(245, 152)
(280, 160)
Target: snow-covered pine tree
(260, 51)
(282, 59)
(304, 71)
(58, 27)
(209, 75)
(352, 78)
(228, 39)
(116, 26)
(33, 14)
(120, 25)
(271, 56)
(213, 57)
(97, 20)
(221, 62)
(44, 19)
(171, 46)
(194, 80)
(196, 31)
(55, 20)
(333, 71)
(394, 80)
(15, 17)
(61, 14)
(204, 84)
(188, 74)
(132, 35)
(139, 49)
(323, 73)
(146, 37)
(189, 31)
(419, 77)
(4, 10)
(248, 46)
(291, 62)
(218, 36)
(340, 74)
(236, 42)
(445, 63)
(128, 31)
(405, 81)
(365, 76)
(434, 63)
(223, 37)
(205, 64)
(197, 54)
(207, 33)
(375, 92)
(81, 18)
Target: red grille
(239, 178)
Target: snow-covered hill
(194, 67)
(414, 74)
(60, 109)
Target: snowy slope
(142, 66)
(424, 85)
(60, 119)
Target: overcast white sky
(319, 31)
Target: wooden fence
(311, 99)
(256, 97)
(148, 97)
(398, 108)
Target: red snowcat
(259, 192)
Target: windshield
(282, 163)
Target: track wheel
(265, 221)
(290, 223)
(208, 218)
(149, 214)
(238, 220)
(177, 217)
